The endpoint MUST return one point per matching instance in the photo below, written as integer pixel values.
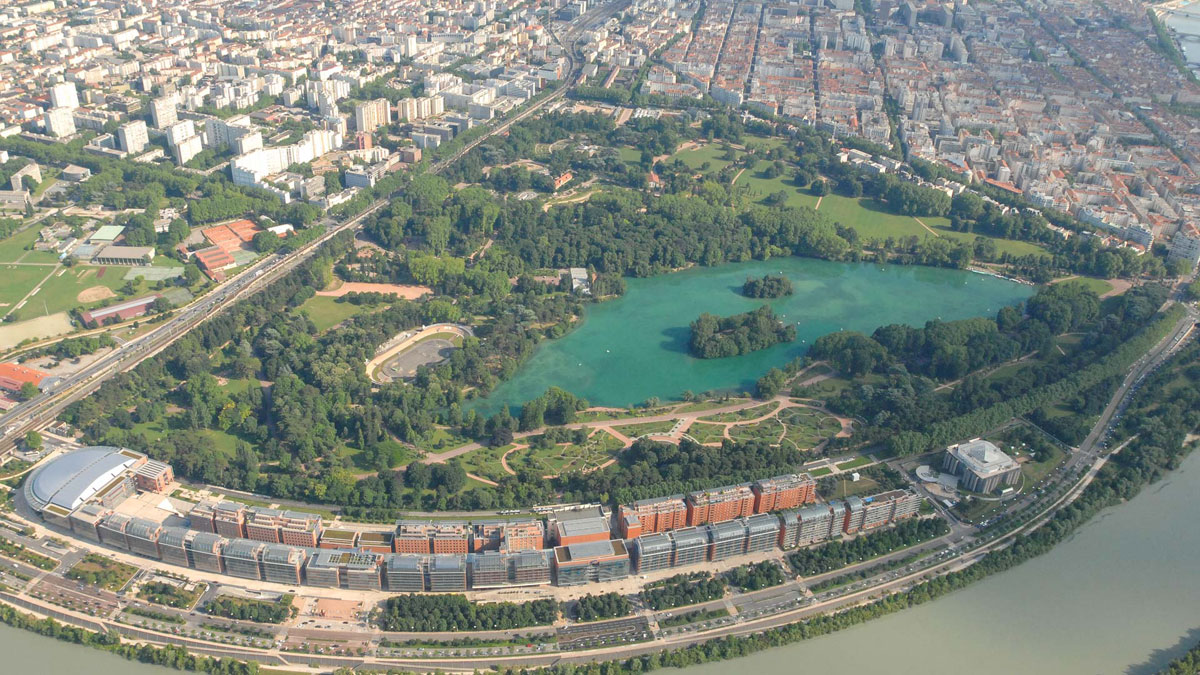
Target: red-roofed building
(213, 260)
(13, 376)
(231, 236)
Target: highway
(42, 410)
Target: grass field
(769, 431)
(14, 247)
(761, 187)
(61, 291)
(870, 218)
(711, 153)
(18, 280)
(325, 312)
(1097, 286)
(872, 221)
(486, 462)
(441, 439)
(847, 488)
(700, 406)
(854, 463)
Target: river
(635, 347)
(1120, 596)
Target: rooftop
(75, 477)
(982, 457)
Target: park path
(684, 421)
(930, 229)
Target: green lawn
(847, 488)
(823, 471)
(872, 221)
(486, 462)
(744, 414)
(441, 439)
(807, 428)
(325, 312)
(870, 218)
(761, 187)
(61, 291)
(769, 431)
(14, 247)
(1010, 246)
(630, 155)
(18, 280)
(1098, 286)
(635, 430)
(599, 448)
(854, 463)
(711, 153)
(706, 433)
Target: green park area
(18, 281)
(326, 312)
(560, 458)
(644, 428)
(807, 428)
(706, 433)
(15, 247)
(745, 414)
(1097, 286)
(102, 571)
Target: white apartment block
(410, 109)
(372, 114)
(163, 112)
(133, 136)
(59, 122)
(253, 167)
(187, 148)
(180, 130)
(64, 96)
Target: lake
(635, 347)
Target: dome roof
(73, 478)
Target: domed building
(100, 474)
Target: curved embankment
(398, 346)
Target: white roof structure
(983, 458)
(72, 479)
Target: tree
(819, 188)
(28, 391)
(33, 440)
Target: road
(40, 411)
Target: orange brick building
(783, 492)
(654, 515)
(720, 504)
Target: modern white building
(59, 122)
(253, 167)
(187, 148)
(981, 466)
(133, 136)
(163, 112)
(372, 114)
(64, 96)
(1185, 245)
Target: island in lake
(770, 286)
(715, 337)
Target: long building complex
(83, 490)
